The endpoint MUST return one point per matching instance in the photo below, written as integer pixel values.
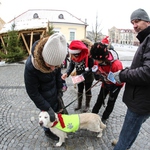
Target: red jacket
(115, 66)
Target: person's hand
(51, 114)
(94, 68)
(98, 77)
(64, 76)
(116, 76)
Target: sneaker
(51, 135)
(64, 88)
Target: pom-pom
(87, 69)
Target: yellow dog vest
(67, 123)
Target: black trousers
(113, 92)
(86, 86)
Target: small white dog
(71, 123)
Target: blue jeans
(130, 129)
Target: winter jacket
(42, 84)
(80, 69)
(114, 66)
(137, 90)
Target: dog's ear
(52, 118)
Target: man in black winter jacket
(137, 78)
(42, 74)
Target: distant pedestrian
(110, 46)
(107, 61)
(137, 78)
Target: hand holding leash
(51, 114)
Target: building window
(61, 16)
(72, 35)
(35, 16)
(57, 30)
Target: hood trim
(38, 60)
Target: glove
(116, 76)
(51, 114)
(98, 77)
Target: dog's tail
(102, 125)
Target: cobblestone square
(19, 128)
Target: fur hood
(37, 58)
(87, 41)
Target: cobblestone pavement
(19, 129)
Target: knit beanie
(55, 49)
(99, 52)
(140, 14)
(77, 46)
(105, 40)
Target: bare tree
(96, 34)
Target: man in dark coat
(137, 78)
(42, 74)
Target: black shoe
(51, 135)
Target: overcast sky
(110, 12)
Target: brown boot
(87, 104)
(80, 96)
